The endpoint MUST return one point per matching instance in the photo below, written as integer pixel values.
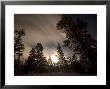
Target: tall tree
(60, 54)
(18, 50)
(36, 60)
(50, 65)
(78, 38)
(30, 63)
(40, 59)
(18, 44)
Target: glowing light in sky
(42, 28)
(54, 58)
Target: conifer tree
(78, 39)
(18, 50)
(60, 54)
(18, 44)
(36, 61)
(40, 59)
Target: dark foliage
(18, 45)
(78, 39)
(18, 50)
(36, 61)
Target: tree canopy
(78, 39)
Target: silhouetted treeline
(78, 39)
(36, 61)
(18, 50)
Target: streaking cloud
(40, 28)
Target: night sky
(42, 28)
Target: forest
(77, 39)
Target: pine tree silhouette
(18, 50)
(78, 39)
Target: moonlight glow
(54, 58)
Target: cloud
(40, 28)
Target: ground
(57, 74)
